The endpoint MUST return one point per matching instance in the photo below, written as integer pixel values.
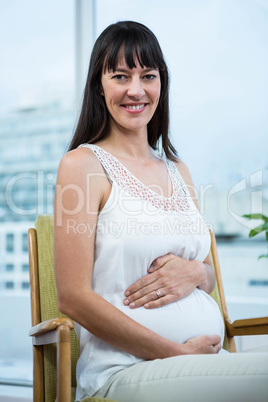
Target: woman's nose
(135, 89)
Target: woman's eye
(149, 77)
(119, 77)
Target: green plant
(258, 229)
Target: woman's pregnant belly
(197, 314)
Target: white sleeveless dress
(136, 226)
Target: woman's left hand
(170, 279)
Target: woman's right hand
(204, 344)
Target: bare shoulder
(80, 165)
(184, 171)
(187, 178)
(80, 160)
(82, 174)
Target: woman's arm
(81, 191)
(172, 276)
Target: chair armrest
(47, 331)
(50, 325)
(57, 331)
(249, 326)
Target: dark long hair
(138, 43)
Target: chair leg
(38, 374)
(232, 345)
(64, 364)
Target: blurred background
(217, 54)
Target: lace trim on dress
(180, 200)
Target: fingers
(145, 296)
(163, 276)
(148, 279)
(159, 302)
(141, 285)
(160, 261)
(215, 339)
(204, 344)
(162, 301)
(216, 343)
(144, 289)
(217, 347)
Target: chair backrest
(48, 304)
(48, 300)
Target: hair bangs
(132, 49)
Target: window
(10, 242)
(10, 285)
(25, 267)
(24, 242)
(9, 267)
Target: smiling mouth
(134, 107)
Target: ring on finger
(158, 293)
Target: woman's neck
(132, 145)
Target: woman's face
(131, 95)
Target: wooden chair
(55, 345)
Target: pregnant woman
(131, 248)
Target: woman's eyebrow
(146, 70)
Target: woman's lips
(134, 108)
